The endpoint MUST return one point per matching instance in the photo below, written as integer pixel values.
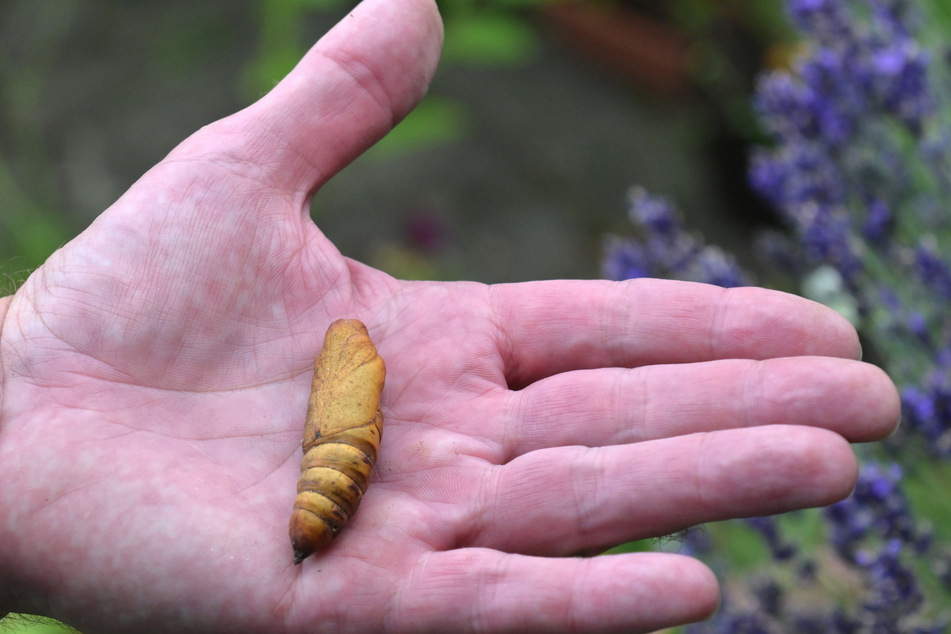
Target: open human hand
(155, 374)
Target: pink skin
(155, 373)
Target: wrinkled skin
(155, 374)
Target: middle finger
(615, 406)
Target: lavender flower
(666, 248)
(780, 548)
(875, 534)
(860, 95)
(926, 406)
(860, 171)
(876, 508)
(894, 591)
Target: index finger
(545, 328)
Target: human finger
(550, 327)
(614, 406)
(576, 499)
(348, 91)
(485, 590)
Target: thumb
(347, 92)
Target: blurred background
(516, 165)
(541, 117)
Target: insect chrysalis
(341, 436)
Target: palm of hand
(156, 372)
(175, 386)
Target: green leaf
(27, 231)
(30, 624)
(434, 121)
(490, 39)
